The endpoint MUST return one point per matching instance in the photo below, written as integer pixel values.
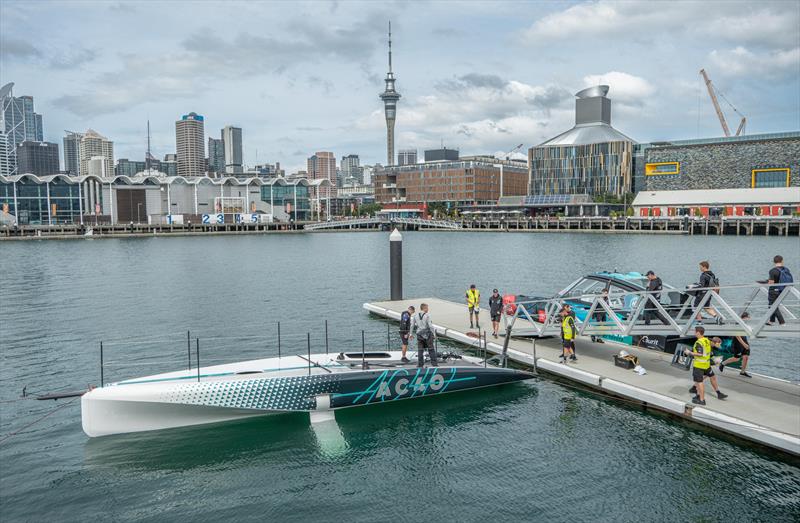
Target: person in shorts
(741, 351)
(702, 366)
(473, 297)
(495, 310)
(405, 330)
(568, 331)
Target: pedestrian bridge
(359, 223)
(675, 314)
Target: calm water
(533, 451)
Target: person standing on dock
(567, 334)
(405, 330)
(654, 287)
(495, 310)
(709, 283)
(474, 305)
(702, 366)
(422, 326)
(741, 351)
(777, 274)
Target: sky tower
(390, 97)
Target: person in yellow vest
(474, 305)
(702, 366)
(568, 332)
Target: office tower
(350, 169)
(93, 146)
(5, 168)
(39, 158)
(390, 98)
(18, 122)
(407, 157)
(232, 141)
(189, 141)
(127, 167)
(72, 153)
(98, 166)
(323, 165)
(216, 155)
(170, 164)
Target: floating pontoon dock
(760, 409)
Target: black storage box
(622, 362)
(681, 360)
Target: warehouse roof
(765, 196)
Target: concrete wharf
(761, 410)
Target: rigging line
(37, 420)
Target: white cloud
(623, 87)
(741, 61)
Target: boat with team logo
(318, 384)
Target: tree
(369, 209)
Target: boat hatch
(370, 355)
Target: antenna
(147, 158)
(390, 46)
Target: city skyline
(488, 78)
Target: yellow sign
(659, 168)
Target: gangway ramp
(761, 410)
(421, 223)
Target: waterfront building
(232, 142)
(19, 122)
(441, 155)
(591, 158)
(216, 155)
(390, 96)
(322, 166)
(771, 201)
(407, 157)
(267, 170)
(40, 158)
(94, 146)
(190, 146)
(751, 161)
(72, 153)
(60, 198)
(469, 180)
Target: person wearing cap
(495, 309)
(474, 305)
(567, 334)
(654, 287)
(702, 366)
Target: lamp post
(138, 213)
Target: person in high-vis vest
(568, 332)
(702, 366)
(474, 305)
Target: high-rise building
(323, 165)
(350, 168)
(39, 158)
(390, 97)
(5, 168)
(190, 146)
(216, 155)
(439, 155)
(170, 165)
(97, 166)
(232, 141)
(93, 146)
(19, 123)
(72, 153)
(127, 167)
(407, 157)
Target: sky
(483, 77)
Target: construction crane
(512, 151)
(712, 92)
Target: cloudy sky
(480, 76)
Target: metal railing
(641, 313)
(420, 222)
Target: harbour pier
(761, 410)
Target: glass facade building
(294, 199)
(54, 202)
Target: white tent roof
(766, 196)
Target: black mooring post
(396, 265)
(189, 347)
(505, 346)
(197, 346)
(326, 336)
(363, 351)
(308, 338)
(102, 380)
(279, 340)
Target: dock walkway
(761, 409)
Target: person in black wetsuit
(741, 351)
(777, 274)
(405, 330)
(654, 287)
(495, 310)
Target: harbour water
(536, 450)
